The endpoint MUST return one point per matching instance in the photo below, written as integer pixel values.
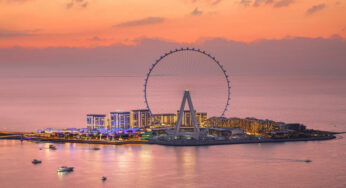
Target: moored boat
(35, 161)
(52, 147)
(65, 169)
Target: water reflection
(158, 166)
(61, 175)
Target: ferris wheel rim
(180, 50)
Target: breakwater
(233, 141)
(92, 141)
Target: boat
(35, 161)
(307, 161)
(65, 169)
(52, 147)
(95, 148)
(104, 178)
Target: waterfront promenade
(178, 142)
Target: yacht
(52, 147)
(35, 161)
(65, 169)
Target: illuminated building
(96, 121)
(120, 120)
(187, 120)
(140, 118)
(166, 119)
(201, 117)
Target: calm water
(252, 165)
(29, 104)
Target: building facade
(120, 120)
(140, 118)
(96, 121)
(187, 118)
(166, 119)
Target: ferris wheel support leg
(193, 115)
(181, 111)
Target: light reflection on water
(248, 165)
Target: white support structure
(193, 115)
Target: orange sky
(88, 23)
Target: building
(201, 117)
(120, 120)
(187, 120)
(166, 119)
(96, 121)
(140, 118)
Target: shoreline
(177, 142)
(229, 142)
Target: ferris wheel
(187, 69)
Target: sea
(28, 104)
(243, 165)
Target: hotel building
(140, 118)
(187, 120)
(96, 121)
(120, 120)
(166, 119)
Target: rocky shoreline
(181, 142)
(234, 141)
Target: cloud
(5, 33)
(283, 3)
(96, 38)
(210, 2)
(145, 21)
(77, 3)
(315, 9)
(196, 12)
(245, 2)
(216, 2)
(260, 2)
(84, 5)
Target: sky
(63, 59)
(90, 23)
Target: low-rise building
(120, 120)
(165, 119)
(96, 121)
(187, 118)
(140, 118)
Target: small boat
(104, 178)
(65, 169)
(52, 147)
(307, 161)
(35, 161)
(95, 148)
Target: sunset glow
(89, 23)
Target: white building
(120, 120)
(96, 121)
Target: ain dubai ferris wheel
(184, 75)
